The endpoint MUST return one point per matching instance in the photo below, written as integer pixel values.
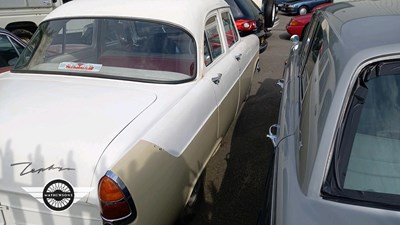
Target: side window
(367, 150)
(230, 29)
(374, 161)
(17, 45)
(313, 45)
(212, 41)
(307, 39)
(305, 46)
(7, 51)
(309, 109)
(314, 52)
(72, 36)
(235, 9)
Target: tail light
(246, 25)
(294, 23)
(116, 203)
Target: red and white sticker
(87, 67)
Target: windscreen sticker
(88, 67)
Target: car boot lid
(55, 128)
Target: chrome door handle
(238, 57)
(273, 136)
(217, 79)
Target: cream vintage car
(114, 109)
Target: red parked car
(298, 24)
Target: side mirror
(295, 39)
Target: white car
(113, 110)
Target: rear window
(236, 11)
(366, 164)
(244, 9)
(113, 48)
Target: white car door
(244, 52)
(223, 70)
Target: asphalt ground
(235, 177)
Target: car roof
(189, 14)
(3, 30)
(363, 24)
(362, 30)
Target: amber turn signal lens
(293, 23)
(109, 190)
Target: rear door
(244, 52)
(222, 69)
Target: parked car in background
(110, 116)
(279, 3)
(300, 7)
(10, 49)
(337, 142)
(22, 17)
(298, 24)
(249, 20)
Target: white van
(23, 16)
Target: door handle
(273, 135)
(238, 57)
(217, 79)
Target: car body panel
(300, 172)
(297, 24)
(155, 135)
(24, 209)
(83, 100)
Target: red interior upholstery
(150, 62)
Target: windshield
(113, 48)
